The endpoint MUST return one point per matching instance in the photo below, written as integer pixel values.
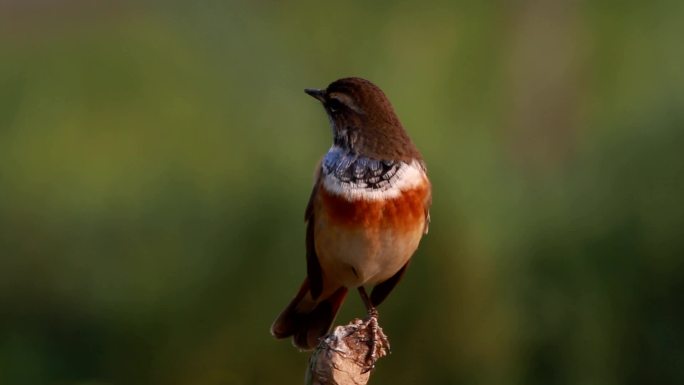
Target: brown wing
(428, 203)
(382, 290)
(313, 267)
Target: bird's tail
(306, 319)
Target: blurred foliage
(156, 158)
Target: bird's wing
(428, 203)
(382, 290)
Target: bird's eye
(334, 105)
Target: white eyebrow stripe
(346, 100)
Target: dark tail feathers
(306, 320)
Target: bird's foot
(378, 344)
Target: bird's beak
(316, 93)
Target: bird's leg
(372, 312)
(378, 340)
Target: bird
(367, 212)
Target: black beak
(316, 93)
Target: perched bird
(368, 210)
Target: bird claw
(378, 344)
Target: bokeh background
(156, 159)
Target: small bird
(367, 212)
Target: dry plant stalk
(343, 356)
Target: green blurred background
(156, 159)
